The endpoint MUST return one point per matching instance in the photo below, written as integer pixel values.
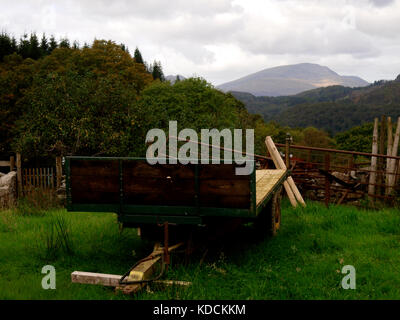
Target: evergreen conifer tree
(157, 71)
(52, 44)
(44, 45)
(138, 56)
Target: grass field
(303, 262)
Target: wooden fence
(28, 179)
(44, 178)
(340, 176)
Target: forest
(57, 98)
(334, 109)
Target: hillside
(333, 109)
(290, 80)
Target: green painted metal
(89, 207)
(68, 182)
(159, 219)
(197, 188)
(164, 210)
(121, 187)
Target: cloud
(226, 39)
(382, 3)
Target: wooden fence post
(58, 171)
(381, 160)
(372, 174)
(12, 163)
(392, 164)
(19, 174)
(287, 151)
(327, 182)
(388, 153)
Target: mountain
(173, 78)
(334, 108)
(290, 80)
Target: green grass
(302, 262)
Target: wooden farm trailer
(144, 195)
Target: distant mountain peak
(290, 80)
(172, 78)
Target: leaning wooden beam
(290, 194)
(372, 176)
(392, 165)
(281, 165)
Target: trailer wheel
(269, 220)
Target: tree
(79, 101)
(138, 56)
(157, 72)
(52, 44)
(44, 45)
(24, 46)
(7, 45)
(314, 137)
(34, 47)
(64, 43)
(356, 139)
(75, 45)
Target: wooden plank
(221, 171)
(94, 167)
(224, 187)
(4, 163)
(111, 280)
(142, 169)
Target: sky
(222, 40)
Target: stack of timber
(289, 185)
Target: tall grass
(55, 238)
(304, 261)
(36, 202)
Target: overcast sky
(222, 40)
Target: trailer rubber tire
(269, 220)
